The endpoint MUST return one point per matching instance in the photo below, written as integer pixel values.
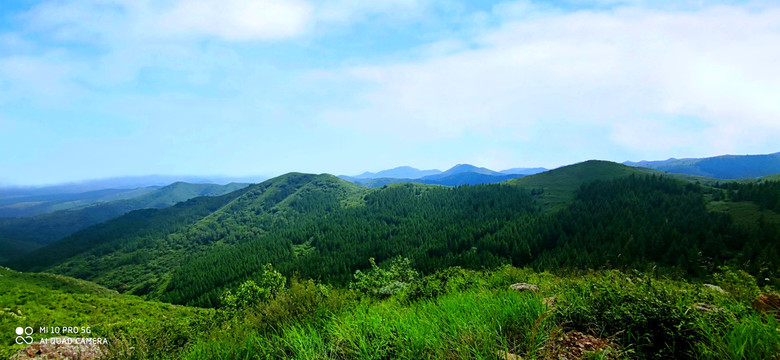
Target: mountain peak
(400, 172)
(462, 168)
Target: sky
(103, 88)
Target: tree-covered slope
(139, 230)
(135, 251)
(22, 235)
(333, 238)
(605, 215)
(24, 203)
(456, 179)
(555, 188)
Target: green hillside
(752, 204)
(137, 252)
(597, 215)
(137, 229)
(47, 300)
(557, 187)
(745, 213)
(620, 255)
(180, 191)
(454, 313)
(21, 204)
(457, 179)
(22, 235)
(775, 177)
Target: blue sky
(102, 88)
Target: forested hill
(22, 235)
(590, 215)
(557, 187)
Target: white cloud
(544, 85)
(231, 20)
(238, 19)
(64, 48)
(617, 69)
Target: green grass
(473, 324)
(45, 300)
(744, 213)
(560, 184)
(751, 337)
(475, 316)
(455, 314)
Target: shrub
(249, 293)
(443, 282)
(741, 285)
(393, 277)
(303, 300)
(640, 311)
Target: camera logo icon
(21, 339)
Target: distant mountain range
(523, 171)
(401, 172)
(461, 169)
(25, 204)
(725, 167)
(24, 201)
(461, 174)
(705, 170)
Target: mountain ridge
(27, 234)
(723, 167)
(404, 172)
(462, 168)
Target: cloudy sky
(102, 88)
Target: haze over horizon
(95, 89)
(166, 179)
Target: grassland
(744, 213)
(46, 300)
(452, 314)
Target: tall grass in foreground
(464, 314)
(752, 337)
(469, 325)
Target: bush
(250, 293)
(443, 282)
(741, 285)
(392, 278)
(648, 314)
(304, 300)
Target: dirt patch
(573, 345)
(767, 303)
(60, 349)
